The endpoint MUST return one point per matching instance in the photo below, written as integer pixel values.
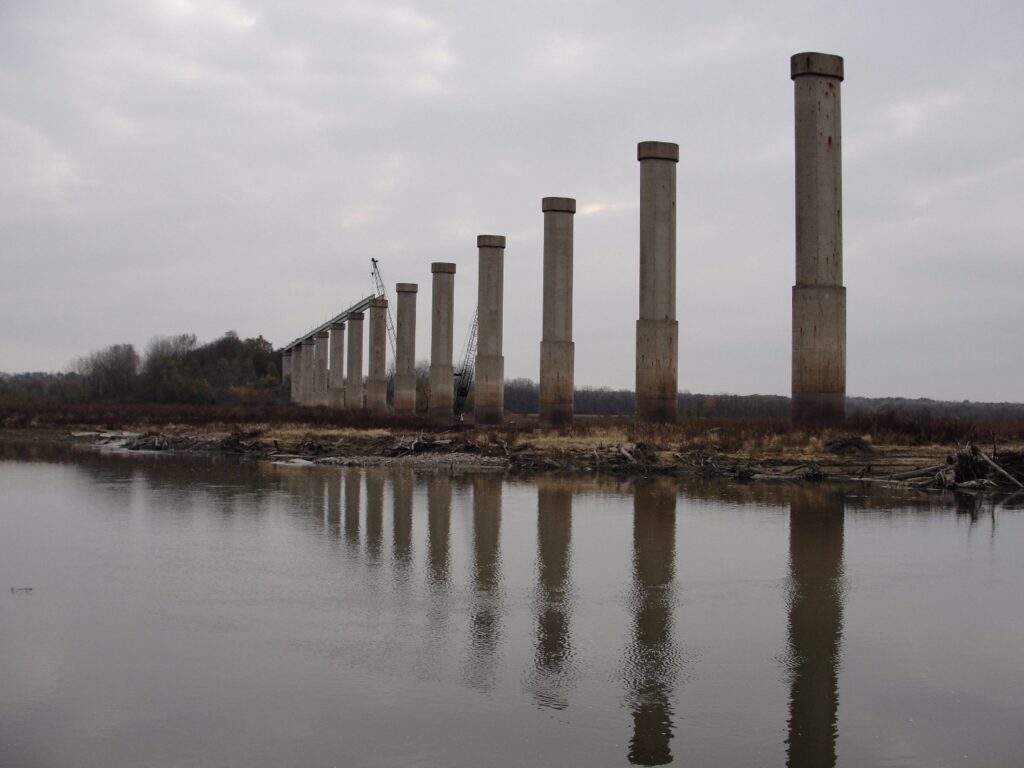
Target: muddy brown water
(201, 611)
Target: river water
(200, 611)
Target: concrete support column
(557, 351)
(404, 403)
(819, 298)
(306, 395)
(377, 380)
(320, 365)
(286, 366)
(296, 373)
(441, 400)
(657, 332)
(336, 372)
(489, 381)
(354, 367)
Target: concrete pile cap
(339, 326)
(308, 342)
(378, 303)
(355, 315)
(657, 150)
(564, 204)
(811, 63)
(442, 268)
(406, 287)
(490, 241)
(323, 335)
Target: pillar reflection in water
(485, 612)
(332, 518)
(401, 535)
(652, 660)
(353, 481)
(815, 604)
(374, 512)
(553, 654)
(439, 509)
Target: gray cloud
(188, 165)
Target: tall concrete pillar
(557, 351)
(306, 395)
(354, 367)
(286, 366)
(441, 400)
(297, 373)
(657, 331)
(819, 298)
(377, 380)
(320, 364)
(404, 403)
(336, 373)
(489, 381)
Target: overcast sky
(199, 166)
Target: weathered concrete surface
(489, 382)
(320, 366)
(557, 351)
(306, 396)
(336, 374)
(441, 399)
(377, 379)
(819, 299)
(819, 353)
(404, 403)
(657, 331)
(296, 393)
(354, 364)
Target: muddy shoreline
(818, 458)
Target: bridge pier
(306, 396)
(354, 367)
(296, 388)
(320, 366)
(377, 380)
(441, 399)
(404, 403)
(819, 298)
(489, 381)
(657, 331)
(557, 351)
(336, 373)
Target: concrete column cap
(565, 204)
(490, 241)
(339, 326)
(406, 287)
(811, 63)
(323, 335)
(378, 303)
(442, 268)
(657, 150)
(308, 342)
(286, 352)
(355, 315)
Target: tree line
(172, 369)
(232, 371)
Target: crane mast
(378, 283)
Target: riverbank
(744, 451)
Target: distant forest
(236, 371)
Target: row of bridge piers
(314, 363)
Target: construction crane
(378, 282)
(464, 376)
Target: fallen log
(1002, 471)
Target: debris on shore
(849, 458)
